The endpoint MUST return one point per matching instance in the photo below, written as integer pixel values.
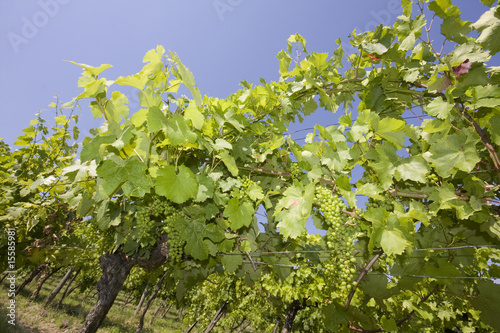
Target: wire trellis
(357, 251)
(388, 275)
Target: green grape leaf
(221, 144)
(388, 232)
(193, 233)
(439, 108)
(196, 117)
(388, 324)
(458, 151)
(116, 107)
(129, 175)
(239, 213)
(418, 212)
(334, 317)
(156, 119)
(370, 190)
(294, 209)
(489, 26)
(494, 123)
(412, 168)
(206, 187)
(91, 150)
(255, 192)
(229, 162)
(391, 129)
(138, 80)
(284, 62)
(187, 78)
(444, 269)
(178, 131)
(177, 187)
(488, 301)
(139, 117)
(384, 160)
(90, 70)
(231, 262)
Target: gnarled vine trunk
(61, 284)
(291, 312)
(143, 297)
(148, 303)
(37, 271)
(115, 270)
(45, 276)
(217, 317)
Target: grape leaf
(254, 192)
(196, 117)
(387, 231)
(177, 187)
(463, 68)
(489, 26)
(138, 80)
(91, 150)
(231, 262)
(90, 70)
(239, 213)
(229, 162)
(156, 119)
(294, 209)
(388, 324)
(457, 151)
(193, 233)
(178, 131)
(439, 108)
(412, 168)
(129, 175)
(488, 301)
(187, 78)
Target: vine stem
(281, 173)
(484, 138)
(364, 271)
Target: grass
(31, 317)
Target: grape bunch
(175, 242)
(386, 202)
(150, 218)
(339, 237)
(296, 170)
(432, 177)
(246, 182)
(145, 225)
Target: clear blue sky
(222, 41)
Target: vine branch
(364, 271)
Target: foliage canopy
(416, 139)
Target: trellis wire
(389, 275)
(357, 251)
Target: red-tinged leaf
(463, 68)
(373, 57)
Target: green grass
(33, 318)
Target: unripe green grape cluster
(295, 169)
(145, 226)
(339, 237)
(246, 182)
(151, 217)
(386, 202)
(175, 242)
(432, 177)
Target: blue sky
(222, 41)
